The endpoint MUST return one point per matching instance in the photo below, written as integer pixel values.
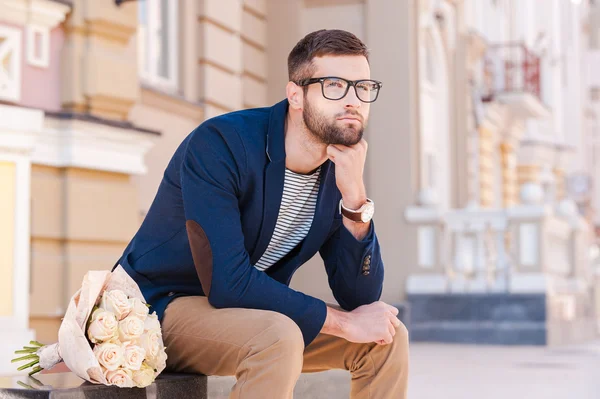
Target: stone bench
(69, 386)
(333, 384)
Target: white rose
(103, 326)
(121, 378)
(130, 328)
(109, 355)
(152, 323)
(158, 362)
(152, 343)
(139, 309)
(144, 376)
(133, 356)
(116, 301)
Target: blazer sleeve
(354, 268)
(212, 172)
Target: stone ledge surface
(69, 386)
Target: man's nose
(351, 99)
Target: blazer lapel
(273, 179)
(327, 199)
(324, 213)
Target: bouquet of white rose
(107, 335)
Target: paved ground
(473, 372)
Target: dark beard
(329, 133)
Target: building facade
(483, 156)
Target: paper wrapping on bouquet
(73, 346)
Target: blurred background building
(483, 158)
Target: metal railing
(511, 68)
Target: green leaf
(25, 351)
(25, 366)
(36, 343)
(32, 356)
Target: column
(509, 174)
(391, 31)
(486, 167)
(17, 126)
(99, 74)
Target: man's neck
(303, 152)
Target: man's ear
(295, 95)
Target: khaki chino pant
(265, 351)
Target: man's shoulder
(245, 122)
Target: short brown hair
(320, 43)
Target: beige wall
(350, 17)
(7, 235)
(81, 220)
(175, 119)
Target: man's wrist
(336, 322)
(354, 202)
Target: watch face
(367, 214)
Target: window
(157, 43)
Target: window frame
(149, 74)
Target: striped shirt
(295, 217)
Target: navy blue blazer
(213, 217)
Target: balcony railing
(511, 68)
(480, 250)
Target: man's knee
(281, 338)
(399, 347)
(401, 337)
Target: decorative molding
(17, 127)
(173, 104)
(44, 13)
(10, 63)
(107, 30)
(88, 145)
(102, 105)
(43, 59)
(110, 30)
(524, 105)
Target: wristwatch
(364, 214)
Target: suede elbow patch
(201, 253)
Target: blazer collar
(276, 134)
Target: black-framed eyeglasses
(335, 88)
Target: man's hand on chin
(349, 168)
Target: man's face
(337, 121)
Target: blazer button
(366, 272)
(171, 293)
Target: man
(248, 198)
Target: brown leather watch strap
(354, 216)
